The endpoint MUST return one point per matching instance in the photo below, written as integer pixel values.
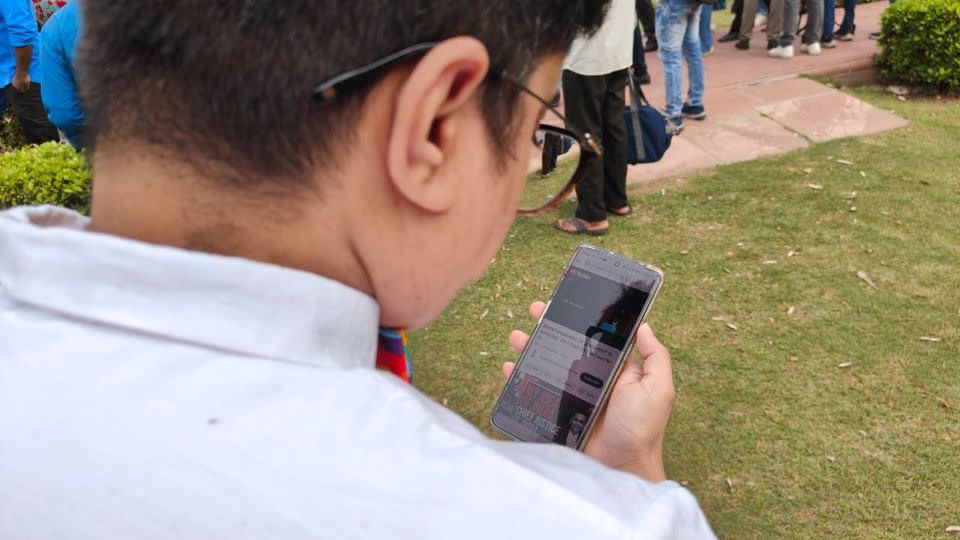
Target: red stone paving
(759, 106)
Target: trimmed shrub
(50, 173)
(920, 43)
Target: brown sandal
(580, 227)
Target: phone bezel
(605, 394)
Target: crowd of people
(782, 19)
(38, 39)
(679, 31)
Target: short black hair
(229, 82)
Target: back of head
(229, 83)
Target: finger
(518, 340)
(656, 358)
(647, 343)
(507, 368)
(536, 309)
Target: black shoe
(642, 80)
(728, 37)
(651, 45)
(874, 35)
(693, 112)
(772, 44)
(845, 35)
(743, 44)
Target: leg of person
(791, 14)
(583, 99)
(671, 27)
(829, 14)
(876, 35)
(706, 34)
(848, 26)
(29, 112)
(746, 26)
(551, 149)
(693, 108)
(640, 73)
(774, 23)
(734, 32)
(648, 20)
(615, 145)
(811, 35)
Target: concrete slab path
(760, 106)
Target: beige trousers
(774, 19)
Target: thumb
(507, 369)
(656, 358)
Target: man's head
(577, 422)
(404, 188)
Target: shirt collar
(51, 262)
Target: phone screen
(561, 379)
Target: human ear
(429, 106)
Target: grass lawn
(833, 408)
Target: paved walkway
(759, 106)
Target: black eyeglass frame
(354, 79)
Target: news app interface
(575, 350)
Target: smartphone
(577, 350)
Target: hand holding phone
(578, 352)
(629, 433)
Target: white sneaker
(781, 52)
(759, 20)
(813, 49)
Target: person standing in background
(58, 42)
(20, 70)
(648, 20)
(641, 75)
(774, 20)
(810, 44)
(678, 25)
(706, 32)
(594, 80)
(847, 26)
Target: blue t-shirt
(58, 42)
(18, 28)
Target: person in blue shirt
(58, 41)
(20, 69)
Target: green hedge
(50, 173)
(920, 43)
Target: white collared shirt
(148, 392)
(611, 48)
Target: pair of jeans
(639, 60)
(29, 112)
(849, 12)
(706, 35)
(678, 32)
(829, 17)
(595, 104)
(791, 18)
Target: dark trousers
(639, 60)
(648, 18)
(29, 112)
(551, 149)
(595, 104)
(737, 16)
